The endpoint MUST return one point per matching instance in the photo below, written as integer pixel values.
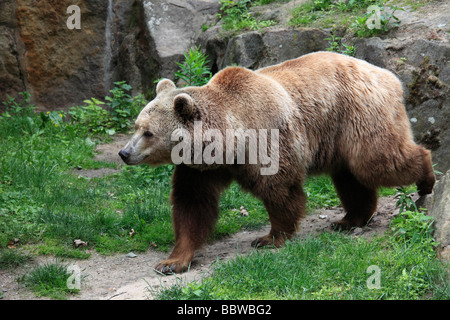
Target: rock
(245, 50)
(358, 231)
(438, 207)
(136, 63)
(12, 78)
(257, 49)
(284, 43)
(173, 26)
(131, 255)
(215, 42)
(59, 66)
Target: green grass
(236, 15)
(352, 15)
(49, 280)
(12, 258)
(326, 13)
(327, 266)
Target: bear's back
(324, 73)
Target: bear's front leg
(195, 199)
(180, 258)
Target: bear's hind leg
(359, 201)
(410, 164)
(426, 182)
(286, 206)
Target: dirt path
(119, 277)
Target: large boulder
(438, 206)
(173, 26)
(256, 49)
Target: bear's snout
(124, 155)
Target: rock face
(136, 63)
(154, 35)
(173, 27)
(256, 49)
(439, 208)
(12, 78)
(57, 65)
(63, 66)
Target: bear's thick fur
(335, 114)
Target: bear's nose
(124, 155)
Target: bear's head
(151, 143)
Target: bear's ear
(163, 85)
(184, 106)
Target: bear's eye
(148, 134)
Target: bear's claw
(269, 240)
(170, 268)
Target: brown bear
(330, 113)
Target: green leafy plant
(21, 107)
(123, 106)
(92, 116)
(336, 45)
(404, 200)
(95, 118)
(386, 18)
(194, 71)
(56, 118)
(413, 227)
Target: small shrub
(22, 107)
(413, 227)
(365, 26)
(194, 71)
(94, 118)
(123, 106)
(404, 200)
